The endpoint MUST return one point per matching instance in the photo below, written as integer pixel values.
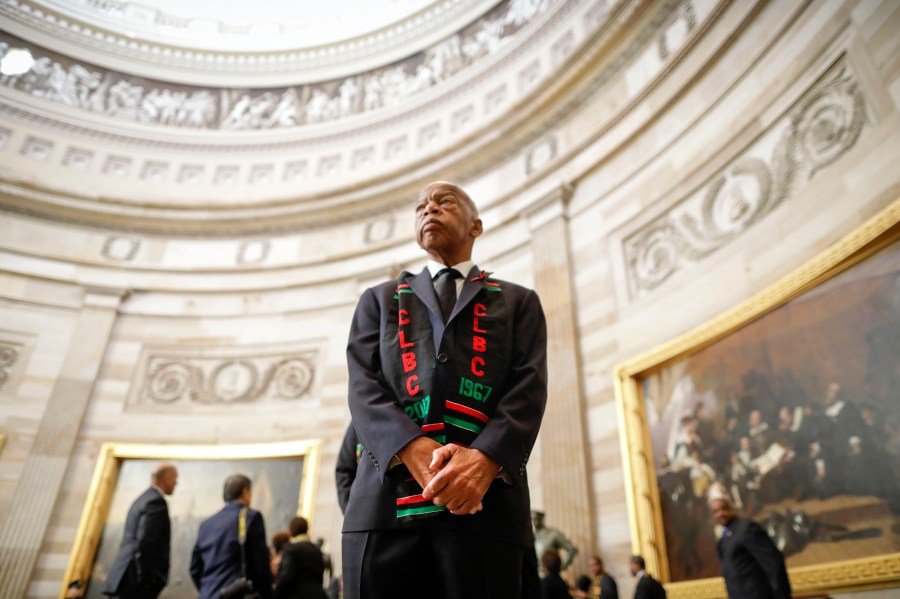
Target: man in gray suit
(141, 568)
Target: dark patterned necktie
(445, 288)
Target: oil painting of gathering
(792, 417)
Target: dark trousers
(435, 562)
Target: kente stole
(478, 365)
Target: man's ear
(477, 228)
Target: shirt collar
(463, 267)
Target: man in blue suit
(448, 383)
(141, 568)
(216, 559)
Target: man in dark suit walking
(448, 383)
(216, 559)
(141, 568)
(751, 563)
(647, 586)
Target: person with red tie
(448, 384)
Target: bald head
(165, 476)
(447, 223)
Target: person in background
(141, 568)
(216, 558)
(647, 587)
(552, 584)
(751, 563)
(279, 540)
(302, 566)
(602, 584)
(551, 538)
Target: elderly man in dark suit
(141, 568)
(647, 587)
(216, 559)
(751, 563)
(448, 385)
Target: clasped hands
(450, 475)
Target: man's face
(596, 567)
(445, 225)
(755, 418)
(722, 512)
(168, 481)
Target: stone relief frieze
(820, 128)
(9, 354)
(177, 381)
(94, 24)
(59, 79)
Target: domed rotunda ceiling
(194, 116)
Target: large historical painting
(281, 475)
(793, 410)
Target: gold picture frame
(635, 390)
(302, 455)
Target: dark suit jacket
(216, 559)
(608, 587)
(554, 587)
(300, 573)
(649, 588)
(345, 469)
(751, 563)
(384, 428)
(141, 568)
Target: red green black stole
(478, 366)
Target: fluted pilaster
(45, 469)
(566, 480)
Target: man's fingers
(439, 457)
(436, 485)
(466, 511)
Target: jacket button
(442, 358)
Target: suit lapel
(424, 289)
